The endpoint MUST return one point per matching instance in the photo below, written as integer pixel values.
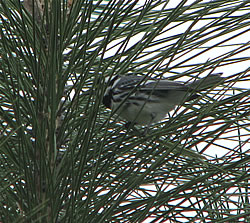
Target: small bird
(145, 101)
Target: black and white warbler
(145, 101)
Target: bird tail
(206, 82)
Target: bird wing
(164, 85)
(145, 84)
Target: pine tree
(66, 158)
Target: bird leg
(149, 124)
(131, 126)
